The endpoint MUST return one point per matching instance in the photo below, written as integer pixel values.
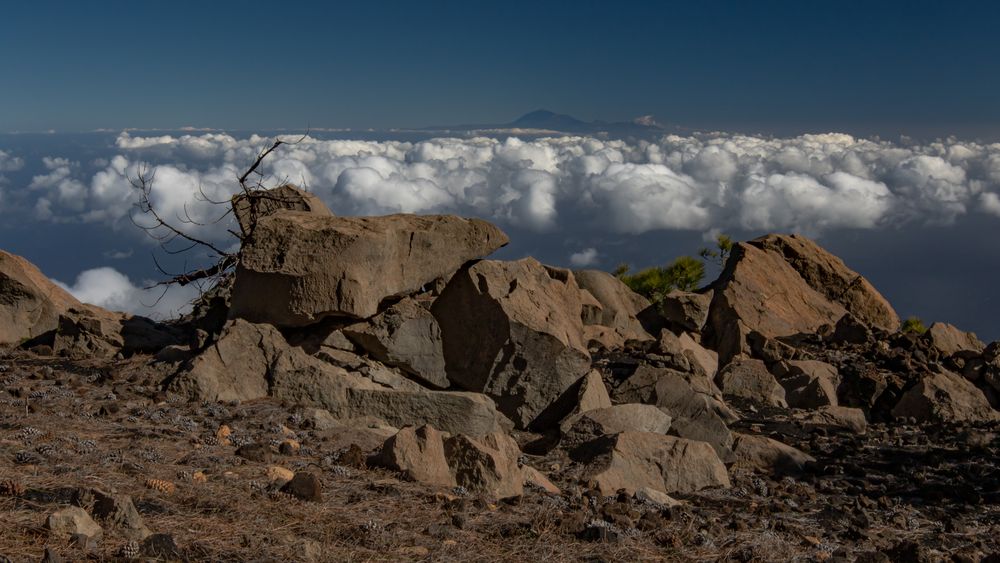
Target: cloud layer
(811, 183)
(108, 288)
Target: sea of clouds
(705, 183)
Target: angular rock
(513, 330)
(843, 418)
(536, 478)
(686, 310)
(653, 496)
(592, 394)
(249, 207)
(808, 383)
(749, 379)
(619, 305)
(418, 453)
(765, 454)
(700, 357)
(618, 418)
(73, 521)
(760, 292)
(635, 460)
(236, 367)
(311, 267)
(828, 275)
(486, 465)
(945, 397)
(949, 340)
(30, 304)
(405, 336)
(304, 486)
(852, 330)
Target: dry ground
(71, 425)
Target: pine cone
(165, 487)
(130, 550)
(11, 488)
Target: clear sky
(913, 67)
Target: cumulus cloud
(110, 289)
(9, 162)
(810, 183)
(586, 257)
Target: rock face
(513, 331)
(618, 418)
(808, 384)
(949, 340)
(30, 304)
(633, 460)
(486, 465)
(760, 292)
(406, 336)
(311, 266)
(945, 397)
(250, 207)
(765, 454)
(749, 379)
(620, 307)
(686, 310)
(418, 453)
(252, 361)
(828, 275)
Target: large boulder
(760, 292)
(417, 453)
(612, 420)
(949, 340)
(486, 465)
(686, 310)
(765, 454)
(945, 397)
(311, 266)
(250, 207)
(828, 275)
(252, 361)
(619, 305)
(634, 460)
(808, 383)
(848, 419)
(30, 304)
(406, 336)
(749, 379)
(513, 331)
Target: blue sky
(918, 68)
(914, 209)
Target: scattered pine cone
(130, 550)
(11, 488)
(165, 487)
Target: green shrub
(913, 325)
(719, 254)
(684, 273)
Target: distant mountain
(543, 121)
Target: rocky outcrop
(513, 331)
(760, 292)
(312, 266)
(30, 304)
(406, 336)
(945, 397)
(828, 275)
(749, 379)
(765, 454)
(949, 340)
(631, 461)
(808, 383)
(619, 307)
(250, 207)
(686, 310)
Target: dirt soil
(899, 493)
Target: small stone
(254, 452)
(73, 520)
(279, 476)
(304, 486)
(289, 447)
(223, 434)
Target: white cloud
(990, 203)
(586, 257)
(810, 183)
(9, 162)
(110, 289)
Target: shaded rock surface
(311, 266)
